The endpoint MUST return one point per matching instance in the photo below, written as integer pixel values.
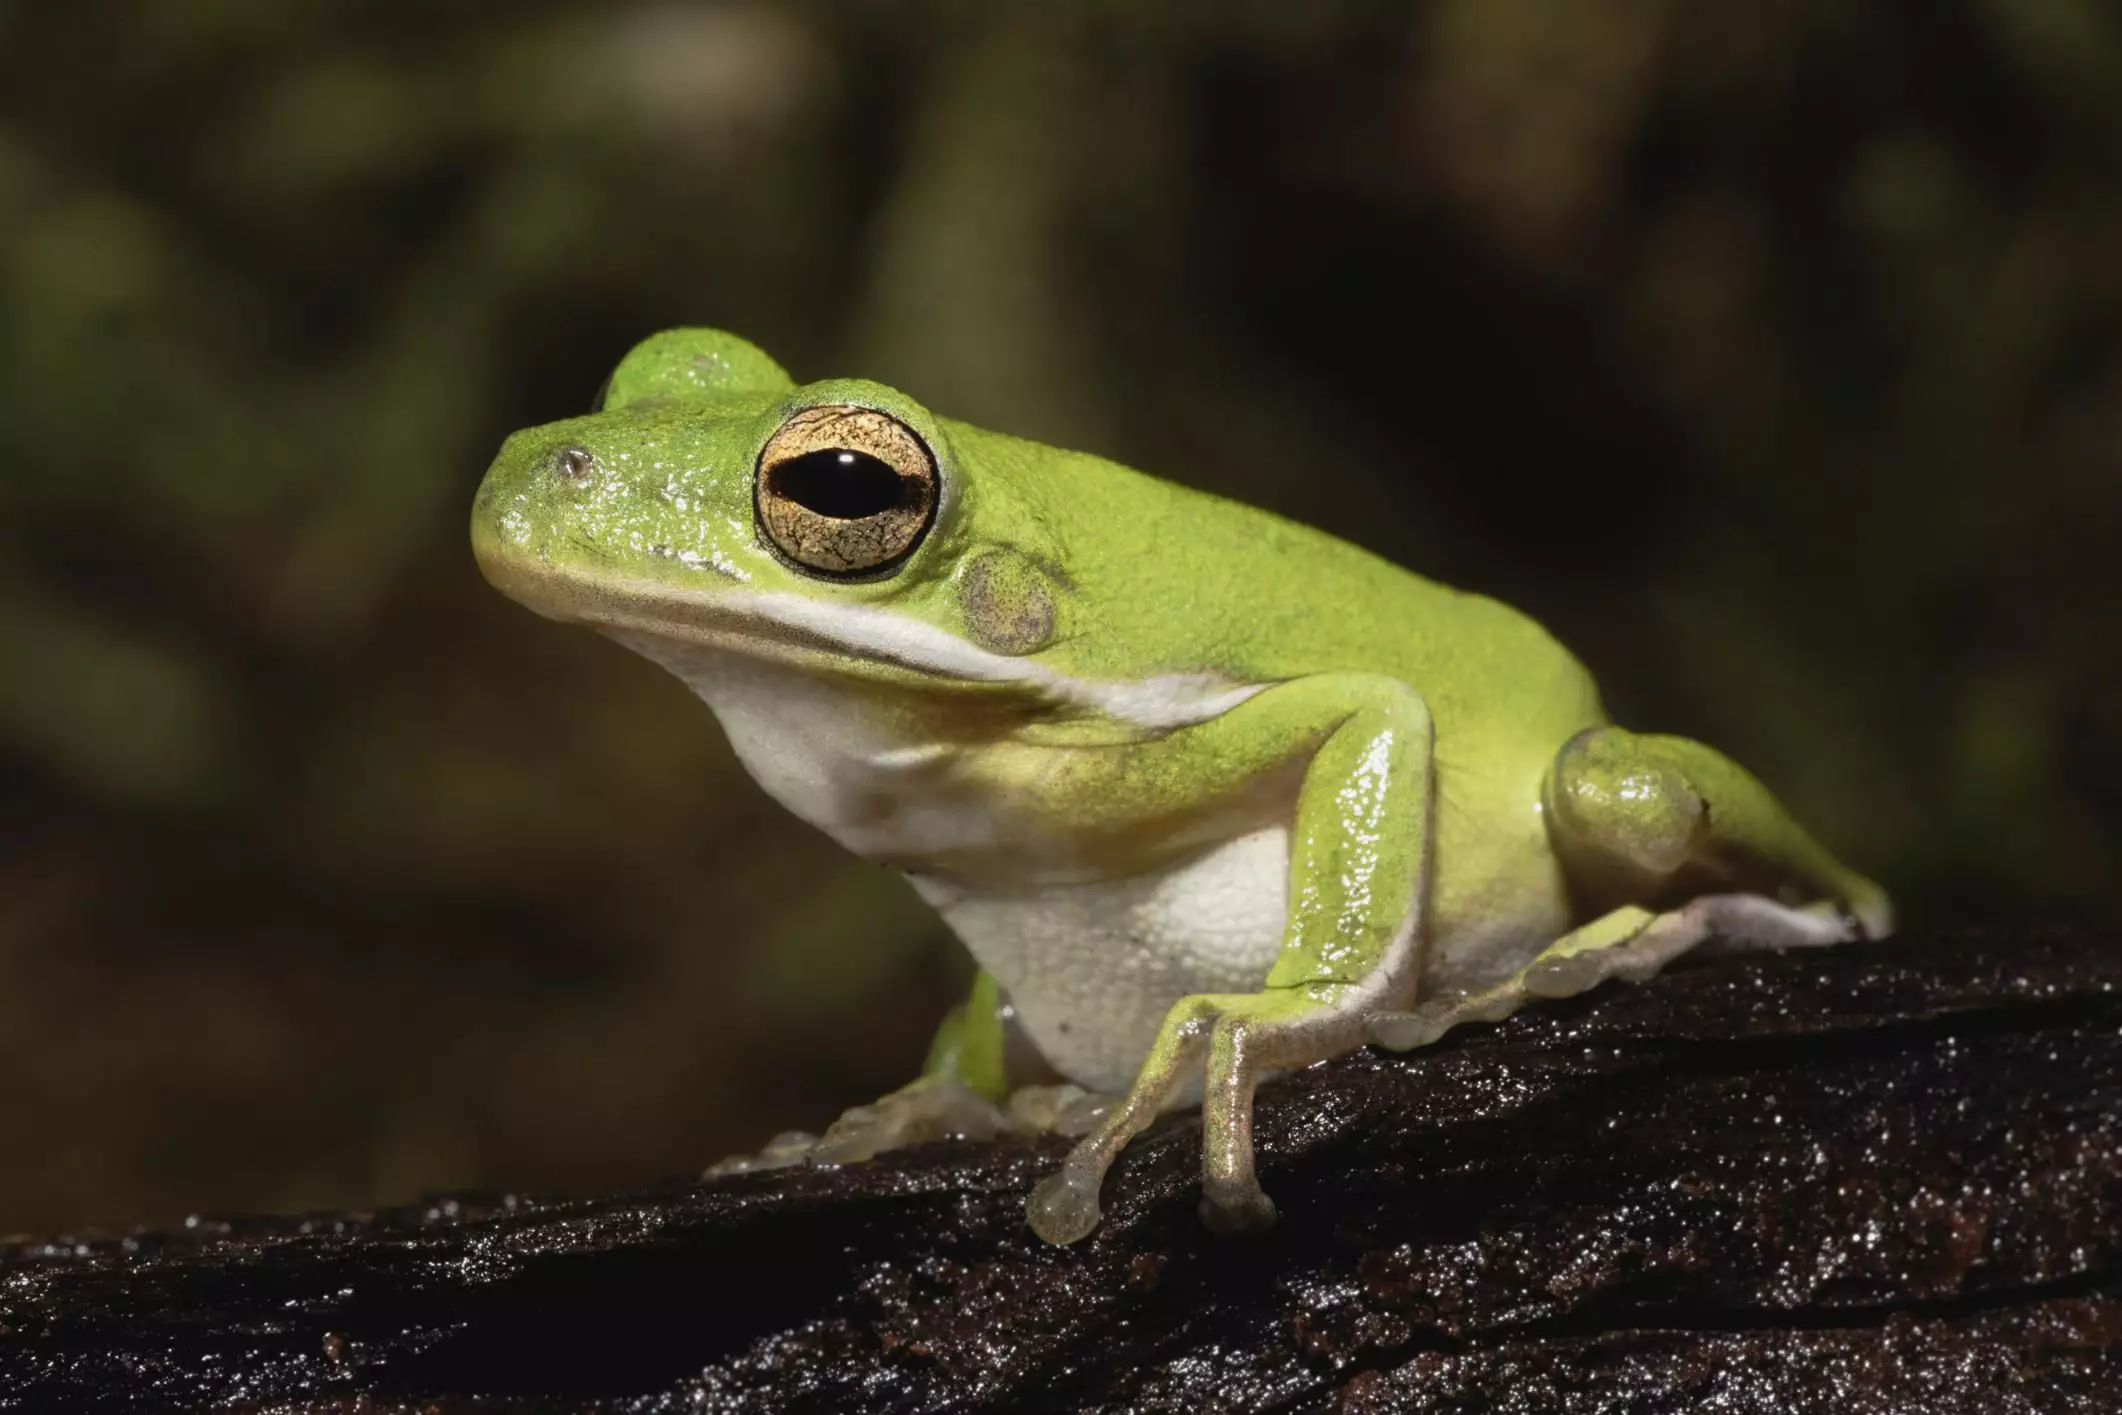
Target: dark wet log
(1883, 1178)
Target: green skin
(1080, 681)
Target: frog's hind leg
(1641, 819)
(1644, 818)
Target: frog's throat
(768, 623)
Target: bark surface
(1881, 1178)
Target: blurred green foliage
(1771, 353)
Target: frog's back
(1232, 589)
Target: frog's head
(710, 501)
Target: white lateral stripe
(1163, 701)
(1166, 700)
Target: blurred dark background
(1771, 353)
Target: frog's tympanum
(1208, 795)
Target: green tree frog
(1207, 794)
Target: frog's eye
(845, 491)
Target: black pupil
(846, 486)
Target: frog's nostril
(576, 464)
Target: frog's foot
(1066, 1109)
(932, 1108)
(787, 1148)
(1631, 944)
(1240, 1035)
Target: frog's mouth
(756, 623)
(828, 637)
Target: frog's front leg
(1358, 881)
(972, 1044)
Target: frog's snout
(506, 509)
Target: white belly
(1093, 967)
